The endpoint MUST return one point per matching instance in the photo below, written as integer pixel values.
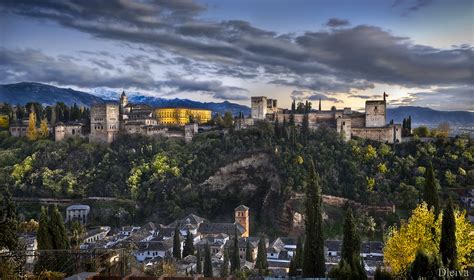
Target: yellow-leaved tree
(31, 131)
(43, 130)
(423, 231)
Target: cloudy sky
(421, 52)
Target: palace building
(182, 116)
(110, 119)
(372, 124)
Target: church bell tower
(242, 217)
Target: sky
(420, 52)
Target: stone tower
(242, 217)
(123, 102)
(376, 113)
(259, 107)
(104, 122)
(59, 131)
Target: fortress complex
(372, 124)
(110, 119)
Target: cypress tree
(248, 252)
(350, 241)
(8, 224)
(305, 128)
(261, 263)
(277, 129)
(199, 262)
(292, 114)
(447, 245)
(314, 261)
(430, 191)
(350, 251)
(225, 264)
(176, 244)
(43, 239)
(292, 270)
(57, 229)
(235, 260)
(188, 245)
(299, 254)
(207, 262)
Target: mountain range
(21, 93)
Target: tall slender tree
(350, 265)
(199, 262)
(430, 191)
(235, 260)
(248, 252)
(176, 244)
(207, 262)
(447, 245)
(261, 263)
(298, 257)
(225, 264)
(57, 230)
(313, 262)
(188, 245)
(8, 223)
(292, 272)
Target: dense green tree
(188, 245)
(261, 263)
(298, 257)
(57, 230)
(350, 251)
(8, 223)
(207, 262)
(52, 235)
(423, 266)
(235, 259)
(176, 244)
(225, 264)
(228, 119)
(199, 262)
(447, 245)
(77, 234)
(313, 261)
(248, 252)
(430, 190)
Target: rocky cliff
(253, 181)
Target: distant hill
(427, 116)
(219, 107)
(22, 93)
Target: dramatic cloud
(33, 65)
(311, 95)
(452, 98)
(329, 61)
(213, 88)
(336, 22)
